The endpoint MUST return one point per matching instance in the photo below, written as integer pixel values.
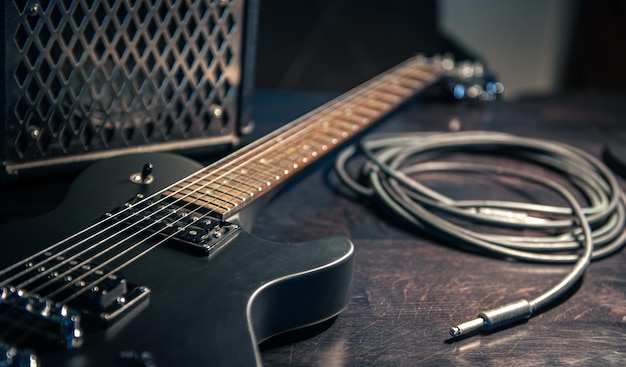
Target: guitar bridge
(29, 317)
(13, 357)
(190, 227)
(91, 294)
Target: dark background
(334, 45)
(408, 289)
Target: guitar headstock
(466, 79)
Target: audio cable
(587, 224)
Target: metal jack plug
(492, 319)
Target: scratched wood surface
(409, 288)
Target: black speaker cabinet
(84, 80)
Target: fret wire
(419, 74)
(262, 166)
(265, 169)
(349, 127)
(311, 146)
(268, 162)
(252, 165)
(216, 201)
(194, 192)
(397, 90)
(320, 140)
(408, 70)
(392, 99)
(198, 193)
(287, 154)
(232, 191)
(372, 110)
(366, 111)
(285, 164)
(340, 126)
(410, 83)
(224, 211)
(361, 121)
(220, 186)
(378, 105)
(336, 130)
(297, 151)
(210, 197)
(243, 180)
(366, 107)
(249, 176)
(263, 175)
(216, 189)
(317, 137)
(362, 108)
(308, 144)
(379, 93)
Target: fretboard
(235, 181)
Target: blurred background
(535, 47)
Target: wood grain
(408, 287)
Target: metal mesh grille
(84, 76)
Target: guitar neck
(244, 176)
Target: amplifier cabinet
(84, 80)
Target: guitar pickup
(189, 227)
(109, 299)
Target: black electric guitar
(136, 269)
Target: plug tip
(467, 327)
(455, 331)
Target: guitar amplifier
(84, 80)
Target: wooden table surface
(408, 288)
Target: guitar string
(350, 96)
(91, 247)
(50, 248)
(32, 328)
(97, 281)
(196, 190)
(333, 108)
(93, 270)
(84, 288)
(117, 223)
(123, 265)
(138, 256)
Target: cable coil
(576, 233)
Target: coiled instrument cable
(574, 233)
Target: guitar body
(96, 283)
(202, 310)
